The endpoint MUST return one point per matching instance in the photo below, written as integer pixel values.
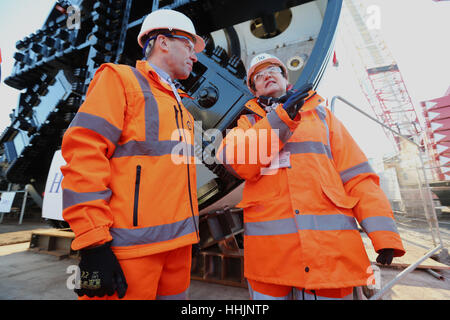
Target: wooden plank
(55, 242)
(16, 237)
(64, 233)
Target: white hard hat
(171, 20)
(260, 59)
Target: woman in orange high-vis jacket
(129, 187)
(301, 237)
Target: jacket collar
(253, 106)
(158, 77)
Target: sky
(416, 33)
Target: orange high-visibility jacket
(121, 182)
(299, 221)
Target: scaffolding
(379, 75)
(382, 84)
(420, 197)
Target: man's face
(181, 57)
(269, 81)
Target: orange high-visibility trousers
(160, 276)
(270, 291)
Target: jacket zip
(178, 124)
(136, 195)
(187, 166)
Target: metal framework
(437, 121)
(379, 76)
(427, 201)
(382, 83)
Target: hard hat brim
(199, 45)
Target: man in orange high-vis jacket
(301, 239)
(129, 190)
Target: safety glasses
(269, 70)
(188, 42)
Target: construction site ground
(28, 275)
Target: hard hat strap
(144, 49)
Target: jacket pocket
(339, 198)
(136, 195)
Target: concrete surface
(418, 285)
(28, 275)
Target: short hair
(154, 33)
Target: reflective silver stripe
(322, 116)
(284, 133)
(98, 125)
(270, 228)
(379, 223)
(152, 146)
(329, 222)
(308, 147)
(350, 173)
(129, 237)
(71, 198)
(321, 112)
(312, 146)
(180, 296)
(151, 108)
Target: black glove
(385, 256)
(101, 273)
(266, 101)
(296, 100)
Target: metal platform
(218, 267)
